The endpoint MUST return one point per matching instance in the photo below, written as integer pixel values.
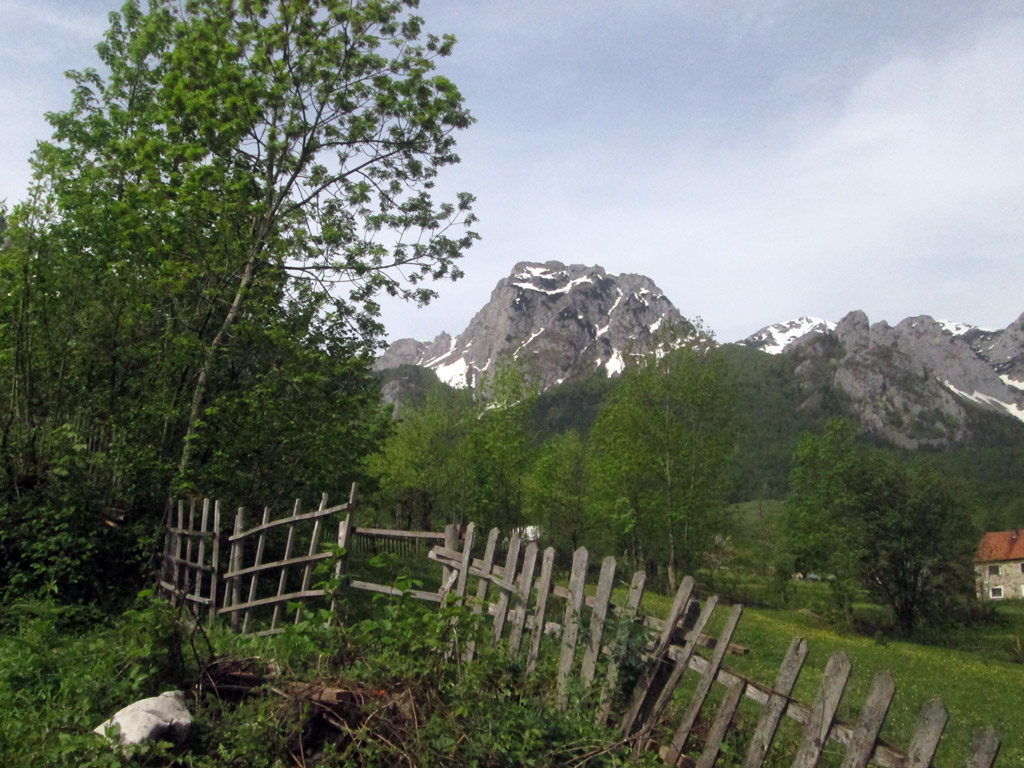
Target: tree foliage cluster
(899, 530)
(650, 477)
(191, 287)
(646, 480)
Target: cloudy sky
(759, 160)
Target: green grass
(978, 690)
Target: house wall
(1010, 579)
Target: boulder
(161, 718)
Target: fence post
(624, 619)
(543, 590)
(837, 672)
(236, 565)
(870, 723)
(984, 748)
(508, 576)
(570, 625)
(176, 581)
(777, 702)
(467, 561)
(713, 744)
(344, 543)
(201, 556)
(704, 686)
(515, 637)
(482, 584)
(282, 579)
(930, 724)
(215, 563)
(314, 544)
(186, 587)
(649, 681)
(601, 599)
(451, 541)
(255, 578)
(682, 663)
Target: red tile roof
(1002, 545)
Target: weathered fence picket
(776, 704)
(540, 609)
(571, 622)
(481, 589)
(625, 615)
(602, 598)
(522, 599)
(837, 672)
(703, 688)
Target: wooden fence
(593, 637)
(654, 715)
(272, 562)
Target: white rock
(161, 718)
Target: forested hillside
(571, 455)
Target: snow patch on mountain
(1011, 382)
(982, 399)
(616, 364)
(774, 339)
(954, 328)
(454, 373)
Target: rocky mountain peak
(560, 321)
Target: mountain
(913, 384)
(922, 383)
(560, 321)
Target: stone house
(999, 566)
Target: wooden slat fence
(532, 617)
(191, 558)
(655, 715)
(272, 560)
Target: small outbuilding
(999, 566)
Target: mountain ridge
(913, 384)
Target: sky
(759, 160)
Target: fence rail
(591, 636)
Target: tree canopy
(900, 530)
(660, 447)
(193, 281)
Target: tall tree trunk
(199, 393)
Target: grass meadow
(977, 678)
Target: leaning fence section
(591, 637)
(271, 569)
(570, 624)
(190, 564)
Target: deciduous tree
(660, 447)
(192, 285)
(895, 527)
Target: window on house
(993, 570)
(1022, 567)
(995, 593)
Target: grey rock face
(1004, 351)
(912, 384)
(161, 718)
(559, 321)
